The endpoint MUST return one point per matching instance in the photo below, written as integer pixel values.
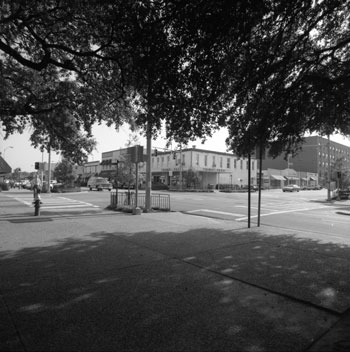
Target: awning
(278, 177)
(304, 179)
(4, 167)
(292, 178)
(313, 179)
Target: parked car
(99, 183)
(291, 188)
(57, 188)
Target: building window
(197, 159)
(162, 160)
(168, 159)
(253, 165)
(205, 160)
(241, 164)
(247, 164)
(214, 164)
(183, 159)
(220, 162)
(234, 163)
(228, 165)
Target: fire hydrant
(37, 202)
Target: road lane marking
(81, 202)
(282, 212)
(43, 206)
(22, 201)
(214, 211)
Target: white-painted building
(198, 168)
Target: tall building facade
(318, 155)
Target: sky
(18, 152)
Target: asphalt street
(98, 280)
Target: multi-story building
(200, 168)
(4, 168)
(190, 167)
(318, 155)
(91, 168)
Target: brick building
(314, 157)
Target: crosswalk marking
(266, 210)
(283, 212)
(52, 203)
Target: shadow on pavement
(203, 289)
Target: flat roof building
(314, 157)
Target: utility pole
(329, 170)
(260, 156)
(148, 169)
(49, 171)
(180, 167)
(249, 190)
(42, 168)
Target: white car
(291, 188)
(99, 183)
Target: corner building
(201, 169)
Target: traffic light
(155, 152)
(174, 155)
(339, 174)
(36, 165)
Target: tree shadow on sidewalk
(203, 289)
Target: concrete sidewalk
(169, 282)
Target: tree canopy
(268, 70)
(292, 77)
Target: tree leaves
(268, 70)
